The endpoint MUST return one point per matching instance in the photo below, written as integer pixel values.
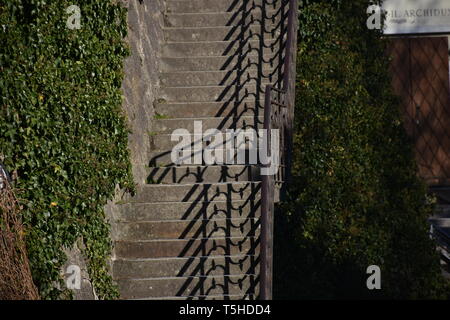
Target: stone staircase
(192, 231)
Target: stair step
(216, 19)
(213, 93)
(214, 78)
(167, 126)
(442, 211)
(209, 109)
(244, 65)
(163, 159)
(224, 33)
(440, 222)
(169, 230)
(206, 174)
(187, 286)
(193, 6)
(219, 48)
(194, 142)
(186, 248)
(195, 192)
(182, 267)
(187, 211)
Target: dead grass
(16, 282)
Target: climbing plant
(355, 199)
(62, 130)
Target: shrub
(62, 130)
(355, 199)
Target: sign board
(416, 16)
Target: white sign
(416, 16)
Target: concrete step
(194, 110)
(212, 93)
(199, 174)
(442, 211)
(268, 47)
(195, 6)
(169, 230)
(186, 248)
(133, 212)
(244, 64)
(195, 192)
(214, 78)
(218, 19)
(167, 126)
(224, 33)
(163, 159)
(179, 267)
(440, 222)
(198, 143)
(187, 286)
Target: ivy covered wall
(62, 130)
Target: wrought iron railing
(278, 114)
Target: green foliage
(158, 116)
(62, 129)
(355, 200)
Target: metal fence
(420, 71)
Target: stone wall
(139, 88)
(141, 77)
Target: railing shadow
(222, 250)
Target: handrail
(281, 118)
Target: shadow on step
(253, 57)
(199, 174)
(223, 246)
